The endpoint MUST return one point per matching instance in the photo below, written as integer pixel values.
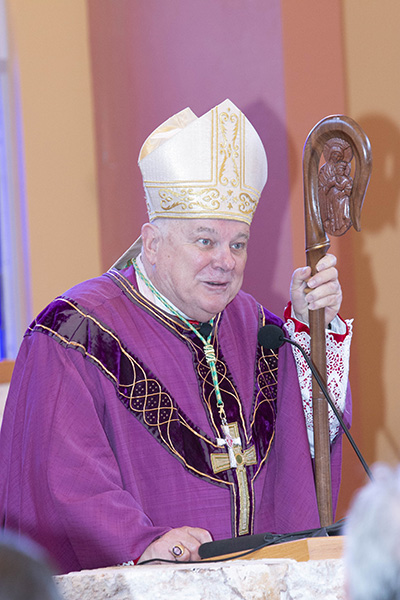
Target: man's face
(199, 264)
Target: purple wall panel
(151, 59)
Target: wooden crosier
(332, 203)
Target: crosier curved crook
(317, 245)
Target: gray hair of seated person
(372, 538)
(24, 572)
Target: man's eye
(204, 242)
(239, 246)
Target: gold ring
(177, 551)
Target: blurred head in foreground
(24, 573)
(372, 546)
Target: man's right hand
(180, 544)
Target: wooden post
(332, 203)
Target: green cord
(208, 348)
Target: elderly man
(144, 418)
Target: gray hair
(164, 224)
(372, 541)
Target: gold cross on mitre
(237, 459)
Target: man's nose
(223, 259)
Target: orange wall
(51, 45)
(315, 87)
(372, 52)
(345, 59)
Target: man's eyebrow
(203, 228)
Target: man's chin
(208, 312)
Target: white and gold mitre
(209, 167)
(212, 167)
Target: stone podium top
(229, 580)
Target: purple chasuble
(109, 436)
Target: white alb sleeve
(337, 367)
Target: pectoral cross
(230, 442)
(237, 459)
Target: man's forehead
(216, 226)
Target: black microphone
(272, 337)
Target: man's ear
(151, 237)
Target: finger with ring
(177, 551)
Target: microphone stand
(274, 340)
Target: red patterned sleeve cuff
(339, 327)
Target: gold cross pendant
(221, 461)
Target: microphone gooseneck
(272, 337)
